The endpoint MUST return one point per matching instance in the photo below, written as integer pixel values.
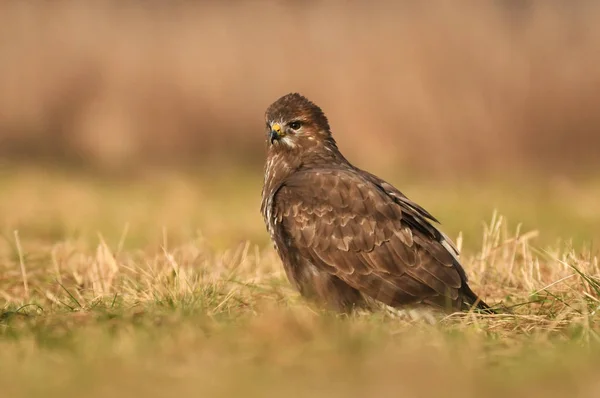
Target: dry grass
(479, 85)
(121, 312)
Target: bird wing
(418, 217)
(348, 225)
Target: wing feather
(369, 235)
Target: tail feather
(472, 301)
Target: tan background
(441, 87)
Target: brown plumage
(345, 236)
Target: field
(134, 260)
(166, 285)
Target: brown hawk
(346, 237)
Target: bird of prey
(348, 239)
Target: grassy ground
(167, 285)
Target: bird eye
(295, 125)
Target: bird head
(293, 123)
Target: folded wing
(374, 240)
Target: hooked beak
(275, 133)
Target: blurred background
(418, 93)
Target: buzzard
(348, 239)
